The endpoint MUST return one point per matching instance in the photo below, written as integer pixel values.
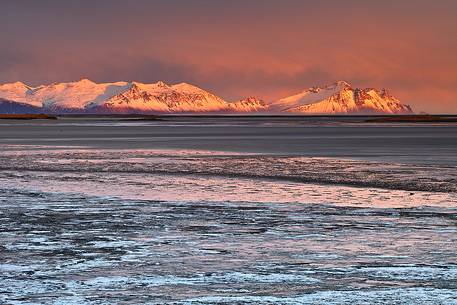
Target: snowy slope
(19, 92)
(341, 98)
(309, 96)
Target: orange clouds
(236, 48)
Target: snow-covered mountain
(249, 104)
(159, 97)
(66, 97)
(85, 96)
(341, 98)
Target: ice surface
(162, 252)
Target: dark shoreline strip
(27, 117)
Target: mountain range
(88, 97)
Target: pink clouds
(236, 48)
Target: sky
(237, 48)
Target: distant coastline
(414, 119)
(27, 117)
(430, 118)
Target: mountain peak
(340, 85)
(19, 84)
(336, 86)
(161, 84)
(186, 87)
(15, 85)
(85, 81)
(135, 84)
